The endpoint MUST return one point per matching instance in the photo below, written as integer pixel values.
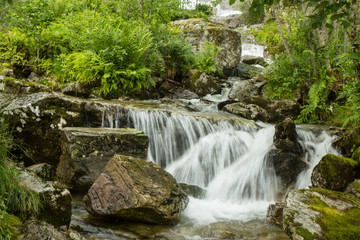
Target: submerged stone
(136, 190)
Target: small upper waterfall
(228, 161)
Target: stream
(226, 158)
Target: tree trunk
(281, 32)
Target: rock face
(334, 172)
(253, 60)
(202, 83)
(136, 190)
(38, 120)
(55, 200)
(86, 151)
(243, 89)
(198, 31)
(321, 214)
(286, 153)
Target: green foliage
(205, 58)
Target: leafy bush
(205, 58)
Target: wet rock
(278, 110)
(86, 151)
(347, 142)
(36, 230)
(243, 89)
(246, 71)
(321, 214)
(334, 172)
(55, 200)
(251, 60)
(203, 84)
(185, 94)
(43, 170)
(76, 89)
(229, 40)
(192, 190)
(286, 153)
(248, 111)
(275, 213)
(136, 190)
(221, 105)
(7, 72)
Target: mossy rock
(322, 214)
(356, 155)
(8, 224)
(348, 142)
(334, 172)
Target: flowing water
(227, 160)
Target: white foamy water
(228, 161)
(255, 50)
(315, 148)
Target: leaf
(328, 25)
(231, 2)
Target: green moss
(336, 224)
(8, 223)
(356, 155)
(305, 233)
(335, 168)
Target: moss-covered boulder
(229, 40)
(136, 190)
(356, 155)
(321, 214)
(348, 141)
(203, 84)
(334, 172)
(86, 151)
(354, 188)
(44, 171)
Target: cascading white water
(315, 148)
(228, 161)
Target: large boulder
(86, 151)
(278, 110)
(38, 120)
(334, 172)
(321, 214)
(136, 190)
(55, 200)
(203, 84)
(248, 111)
(286, 153)
(199, 31)
(275, 213)
(243, 89)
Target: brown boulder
(136, 190)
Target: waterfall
(228, 161)
(315, 146)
